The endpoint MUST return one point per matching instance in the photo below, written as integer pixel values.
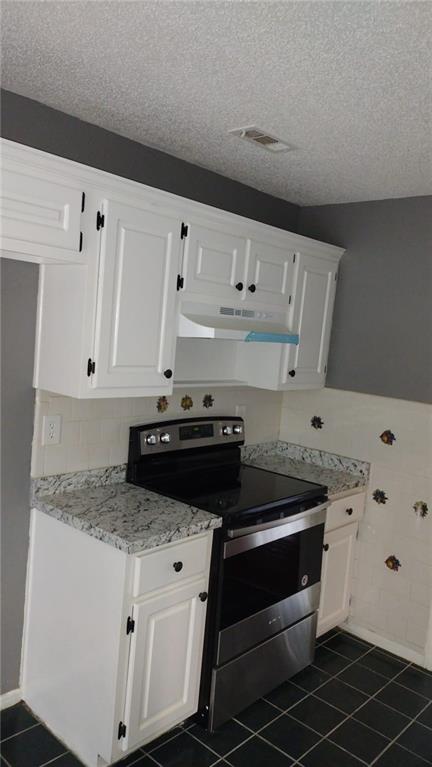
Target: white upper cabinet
(270, 275)
(119, 258)
(40, 217)
(137, 297)
(214, 264)
(304, 366)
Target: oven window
(260, 577)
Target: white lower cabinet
(165, 661)
(106, 670)
(338, 560)
(336, 574)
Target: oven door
(271, 579)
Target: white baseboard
(10, 698)
(386, 644)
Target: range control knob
(227, 430)
(238, 428)
(165, 437)
(151, 439)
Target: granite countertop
(100, 503)
(127, 517)
(338, 473)
(335, 480)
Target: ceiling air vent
(264, 139)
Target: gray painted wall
(382, 328)
(19, 281)
(29, 122)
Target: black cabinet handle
(291, 373)
(239, 286)
(168, 373)
(326, 547)
(178, 566)
(252, 288)
(203, 596)
(349, 511)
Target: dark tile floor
(357, 705)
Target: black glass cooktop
(234, 490)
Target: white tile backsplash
(95, 433)
(396, 605)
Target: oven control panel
(188, 433)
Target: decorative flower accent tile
(421, 509)
(379, 496)
(393, 563)
(208, 400)
(162, 405)
(317, 422)
(387, 437)
(186, 402)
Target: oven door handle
(236, 532)
(246, 538)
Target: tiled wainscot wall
(393, 571)
(95, 433)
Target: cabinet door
(136, 308)
(304, 366)
(336, 575)
(215, 263)
(270, 272)
(37, 214)
(165, 661)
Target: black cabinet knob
(291, 373)
(252, 288)
(349, 511)
(326, 547)
(203, 596)
(178, 566)
(239, 286)
(168, 373)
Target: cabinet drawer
(171, 564)
(344, 511)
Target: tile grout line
(351, 715)
(392, 742)
(32, 726)
(51, 761)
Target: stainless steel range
(266, 560)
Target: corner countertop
(338, 473)
(100, 503)
(127, 517)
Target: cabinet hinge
(180, 282)
(83, 202)
(184, 231)
(91, 367)
(121, 730)
(100, 220)
(130, 625)
(81, 242)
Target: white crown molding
(22, 156)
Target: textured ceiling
(347, 83)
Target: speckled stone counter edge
(307, 455)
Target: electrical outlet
(240, 411)
(51, 429)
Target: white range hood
(199, 320)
